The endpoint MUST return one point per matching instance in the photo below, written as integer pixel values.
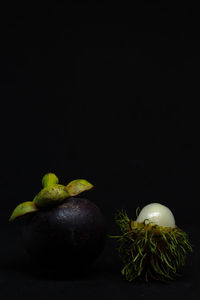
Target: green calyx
(78, 186)
(49, 179)
(22, 209)
(51, 194)
(149, 251)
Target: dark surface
(67, 236)
(112, 102)
(175, 185)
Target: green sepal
(51, 195)
(78, 186)
(22, 209)
(49, 179)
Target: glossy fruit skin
(70, 235)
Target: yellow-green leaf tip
(22, 209)
(49, 179)
(51, 195)
(78, 186)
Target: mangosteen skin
(70, 235)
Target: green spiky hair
(149, 251)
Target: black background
(115, 102)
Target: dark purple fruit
(71, 234)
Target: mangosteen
(60, 230)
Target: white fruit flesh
(157, 214)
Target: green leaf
(78, 186)
(49, 179)
(22, 209)
(51, 195)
